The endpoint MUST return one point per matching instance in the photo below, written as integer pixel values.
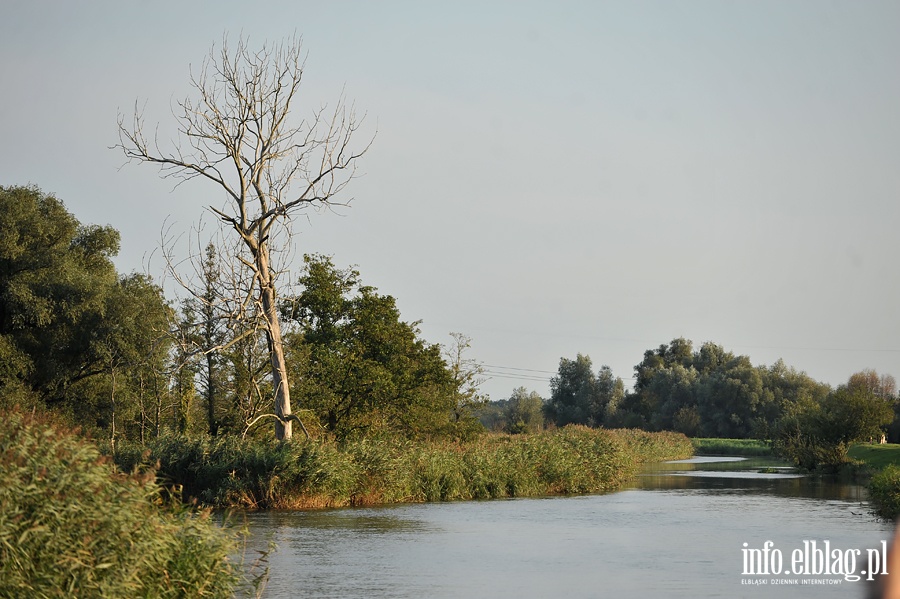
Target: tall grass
(72, 526)
(320, 473)
(744, 447)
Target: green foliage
(712, 392)
(54, 275)
(578, 396)
(884, 492)
(70, 525)
(73, 334)
(466, 377)
(820, 434)
(321, 473)
(524, 412)
(359, 367)
(747, 447)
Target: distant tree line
(113, 355)
(712, 392)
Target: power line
(498, 375)
(514, 368)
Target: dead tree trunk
(236, 132)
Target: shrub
(884, 492)
(71, 525)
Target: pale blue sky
(547, 178)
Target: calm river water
(678, 531)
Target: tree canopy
(578, 396)
(361, 368)
(68, 321)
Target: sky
(546, 178)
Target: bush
(884, 492)
(71, 525)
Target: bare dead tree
(236, 132)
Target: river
(679, 530)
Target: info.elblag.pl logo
(813, 559)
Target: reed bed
(71, 525)
(742, 447)
(322, 473)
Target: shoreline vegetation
(71, 524)
(252, 474)
(73, 520)
(883, 462)
(731, 447)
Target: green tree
(55, 274)
(524, 412)
(820, 433)
(362, 369)
(729, 399)
(205, 333)
(492, 415)
(467, 375)
(132, 337)
(712, 392)
(672, 389)
(578, 396)
(72, 332)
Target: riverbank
(883, 460)
(226, 473)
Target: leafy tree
(238, 133)
(205, 332)
(817, 434)
(578, 396)
(884, 386)
(361, 368)
(131, 336)
(467, 375)
(729, 399)
(791, 391)
(492, 415)
(679, 352)
(72, 332)
(524, 412)
(672, 389)
(712, 392)
(611, 391)
(54, 277)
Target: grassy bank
(744, 447)
(884, 486)
(253, 474)
(876, 456)
(71, 525)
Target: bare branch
(237, 130)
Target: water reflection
(757, 475)
(338, 520)
(678, 531)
